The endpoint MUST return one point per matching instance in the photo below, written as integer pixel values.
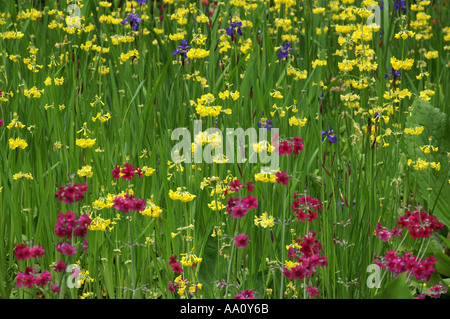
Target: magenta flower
(245, 294)
(312, 291)
(282, 178)
(1, 121)
(71, 193)
(66, 248)
(241, 240)
(59, 266)
(285, 148)
(419, 223)
(238, 211)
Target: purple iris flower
(393, 73)
(284, 52)
(134, 20)
(141, 1)
(234, 25)
(265, 123)
(400, 5)
(182, 49)
(332, 138)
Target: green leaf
(442, 264)
(398, 289)
(432, 184)
(207, 271)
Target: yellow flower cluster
(414, 131)
(22, 175)
(297, 73)
(190, 260)
(17, 142)
(296, 121)
(151, 209)
(399, 64)
(197, 53)
(99, 223)
(181, 195)
(422, 164)
(264, 221)
(85, 171)
(265, 178)
(33, 92)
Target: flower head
(235, 27)
(182, 49)
(133, 19)
(241, 240)
(285, 50)
(332, 138)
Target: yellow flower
(235, 95)
(85, 142)
(431, 55)
(264, 221)
(414, 131)
(197, 54)
(276, 95)
(85, 171)
(18, 142)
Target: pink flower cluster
(305, 207)
(434, 292)
(29, 278)
(68, 225)
(419, 223)
(287, 147)
(22, 252)
(175, 264)
(127, 172)
(384, 234)
(245, 294)
(238, 207)
(307, 258)
(420, 269)
(71, 193)
(129, 202)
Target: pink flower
(238, 211)
(55, 288)
(66, 248)
(384, 235)
(282, 178)
(235, 185)
(116, 172)
(250, 202)
(22, 252)
(312, 291)
(59, 266)
(172, 288)
(1, 122)
(419, 223)
(285, 148)
(71, 193)
(241, 240)
(245, 294)
(250, 187)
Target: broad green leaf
(398, 289)
(433, 185)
